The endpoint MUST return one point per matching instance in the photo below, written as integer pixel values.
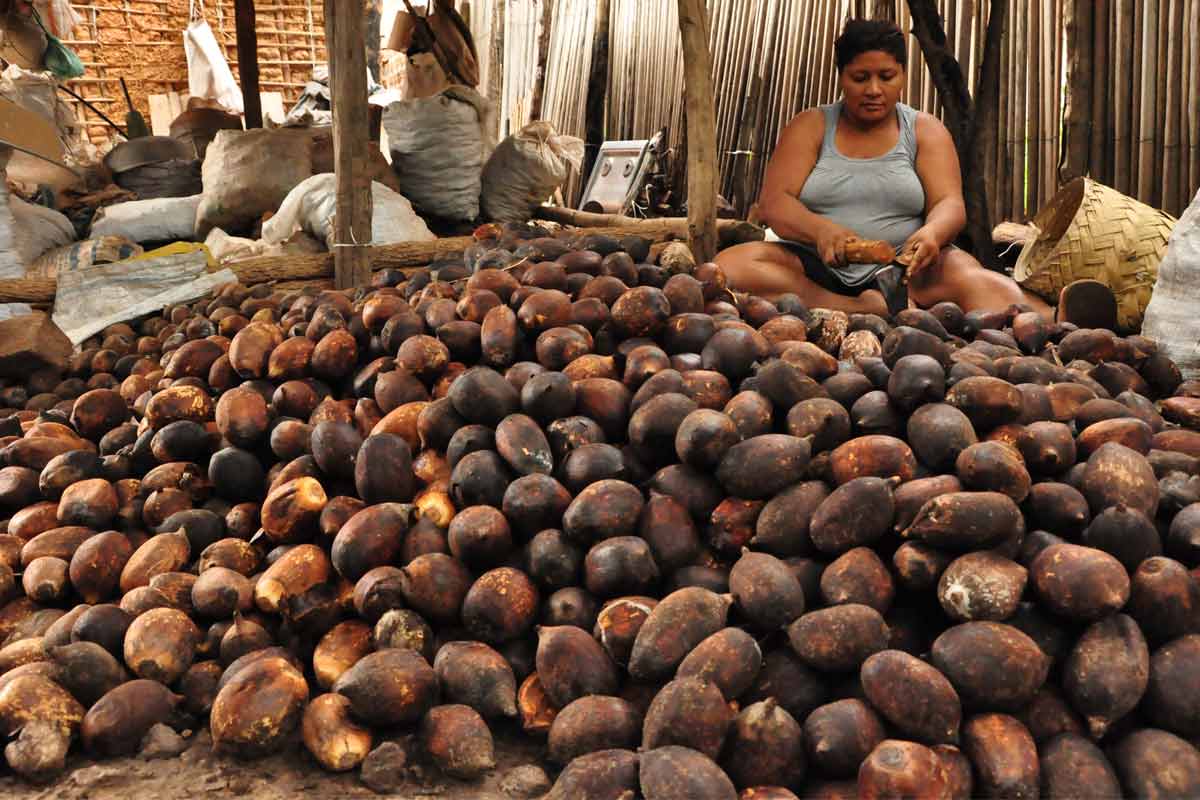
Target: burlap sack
(248, 173)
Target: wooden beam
(736, 231)
(348, 100)
(701, 130)
(247, 61)
(597, 90)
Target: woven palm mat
(1110, 238)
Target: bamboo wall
(1138, 64)
(774, 58)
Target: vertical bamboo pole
(1147, 135)
(1169, 167)
(1051, 88)
(1122, 50)
(1192, 154)
(698, 91)
(348, 98)
(1097, 165)
(1032, 131)
(1162, 54)
(1020, 102)
(1004, 161)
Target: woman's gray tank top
(877, 198)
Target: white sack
(209, 76)
(312, 205)
(438, 147)
(165, 219)
(1173, 315)
(89, 300)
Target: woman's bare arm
(789, 168)
(938, 169)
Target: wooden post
(348, 99)
(701, 130)
(543, 52)
(247, 55)
(495, 77)
(1080, 71)
(597, 90)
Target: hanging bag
(60, 60)
(209, 75)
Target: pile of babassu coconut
(701, 543)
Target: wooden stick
(247, 62)
(734, 230)
(348, 98)
(702, 136)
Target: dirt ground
(198, 773)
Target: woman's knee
(953, 274)
(749, 252)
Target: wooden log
(247, 63)
(401, 255)
(351, 128)
(30, 342)
(702, 135)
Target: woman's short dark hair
(864, 35)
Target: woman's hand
(921, 250)
(831, 243)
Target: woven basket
(1088, 230)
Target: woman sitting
(867, 167)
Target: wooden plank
(29, 132)
(247, 61)
(348, 100)
(701, 130)
(160, 115)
